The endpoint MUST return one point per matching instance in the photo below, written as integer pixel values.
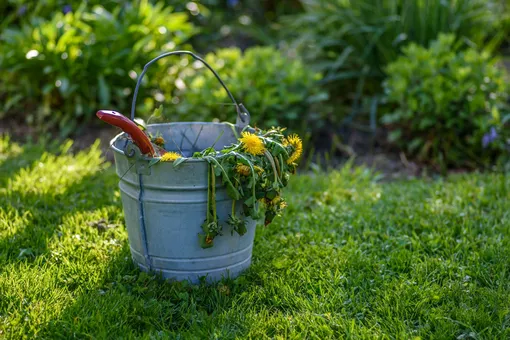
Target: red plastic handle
(138, 136)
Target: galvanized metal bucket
(165, 206)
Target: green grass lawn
(351, 258)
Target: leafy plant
(353, 40)
(502, 7)
(58, 72)
(277, 90)
(19, 12)
(254, 171)
(445, 100)
(240, 23)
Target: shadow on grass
(18, 158)
(40, 215)
(116, 300)
(128, 303)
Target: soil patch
(363, 150)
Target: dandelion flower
(252, 143)
(276, 200)
(243, 169)
(297, 144)
(159, 141)
(170, 156)
(258, 169)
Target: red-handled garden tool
(128, 126)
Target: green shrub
(503, 8)
(62, 70)
(446, 99)
(353, 40)
(276, 89)
(17, 12)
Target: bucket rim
(188, 159)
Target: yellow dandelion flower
(159, 141)
(297, 144)
(252, 143)
(243, 169)
(276, 200)
(285, 142)
(283, 205)
(170, 156)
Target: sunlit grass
(351, 257)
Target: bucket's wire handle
(243, 116)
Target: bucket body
(165, 214)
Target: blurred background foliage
(327, 68)
(57, 71)
(445, 98)
(358, 38)
(280, 89)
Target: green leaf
(241, 229)
(415, 144)
(202, 241)
(141, 123)
(217, 170)
(250, 201)
(391, 118)
(232, 191)
(506, 118)
(158, 112)
(395, 135)
(104, 90)
(48, 88)
(260, 194)
(495, 114)
(154, 161)
(426, 123)
(13, 101)
(271, 194)
(25, 252)
(179, 161)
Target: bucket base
(211, 275)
